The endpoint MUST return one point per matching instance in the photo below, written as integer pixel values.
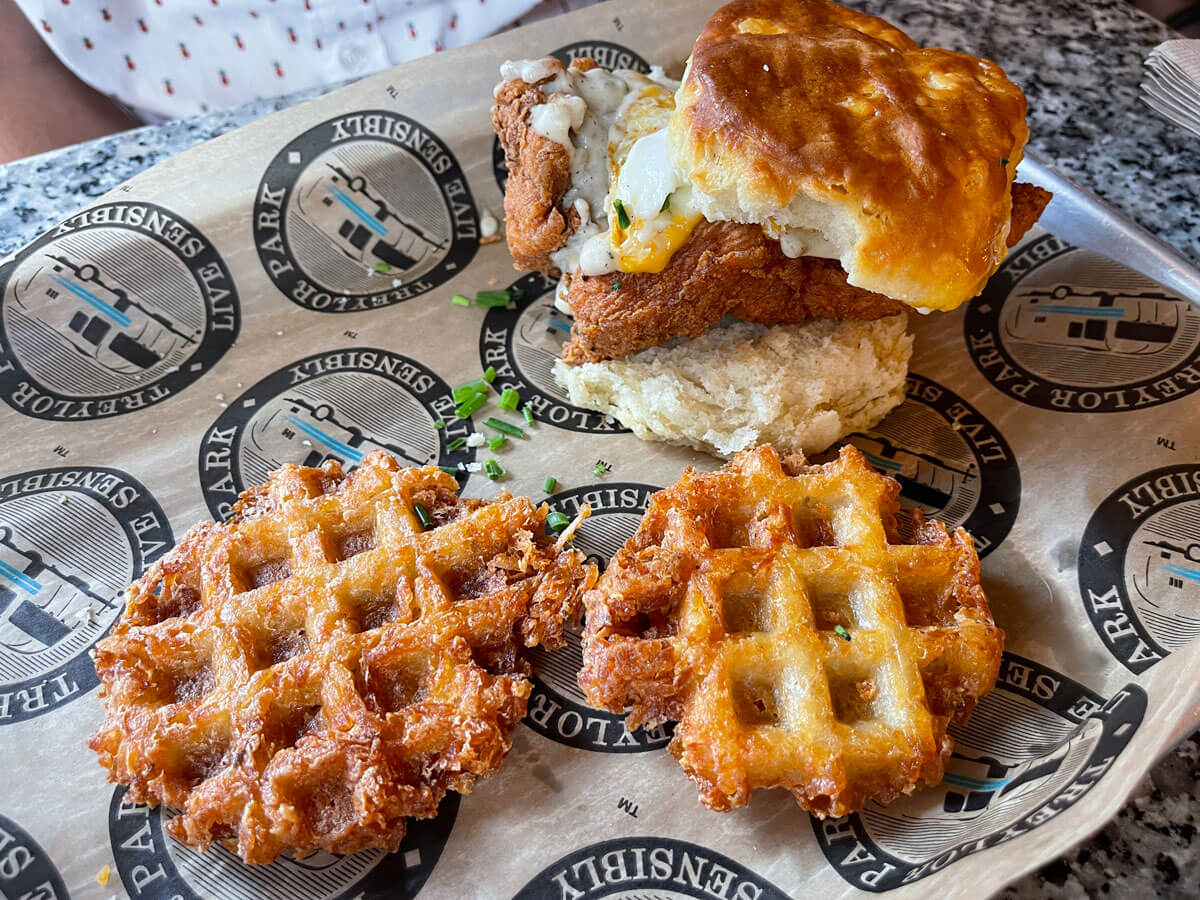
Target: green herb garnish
(468, 407)
(528, 414)
(841, 632)
(489, 374)
(601, 468)
(382, 268)
(495, 443)
(449, 470)
(557, 521)
(475, 388)
(494, 298)
(460, 300)
(549, 484)
(423, 515)
(456, 443)
(1003, 163)
(493, 469)
(622, 216)
(439, 424)
(504, 427)
(616, 286)
(666, 204)
(508, 400)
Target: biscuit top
(802, 112)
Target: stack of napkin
(1172, 84)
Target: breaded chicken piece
(729, 269)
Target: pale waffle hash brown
(310, 673)
(777, 616)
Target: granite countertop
(1080, 62)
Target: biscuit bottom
(799, 387)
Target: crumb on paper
(102, 875)
(493, 281)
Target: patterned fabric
(171, 58)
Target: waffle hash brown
(310, 673)
(773, 611)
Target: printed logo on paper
(1032, 748)
(950, 461)
(71, 540)
(654, 868)
(26, 871)
(1063, 329)
(364, 211)
(116, 309)
(154, 866)
(557, 708)
(1139, 566)
(609, 55)
(338, 405)
(523, 344)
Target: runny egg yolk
(651, 214)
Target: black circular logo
(523, 344)
(1063, 329)
(557, 708)
(1033, 747)
(116, 309)
(609, 56)
(26, 871)
(71, 539)
(1139, 566)
(363, 211)
(951, 462)
(154, 866)
(653, 868)
(337, 405)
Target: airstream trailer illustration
(1134, 325)
(1170, 568)
(37, 596)
(308, 433)
(924, 479)
(362, 225)
(100, 318)
(974, 783)
(541, 332)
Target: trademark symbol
(392, 92)
(350, 334)
(628, 806)
(618, 24)
(63, 451)
(1161, 441)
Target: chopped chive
(528, 414)
(423, 515)
(549, 484)
(493, 469)
(449, 470)
(489, 374)
(616, 286)
(841, 632)
(666, 204)
(456, 443)
(622, 216)
(601, 468)
(508, 400)
(382, 267)
(495, 443)
(557, 521)
(464, 410)
(439, 424)
(460, 300)
(504, 427)
(470, 389)
(493, 298)
(1003, 163)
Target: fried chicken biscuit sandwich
(739, 249)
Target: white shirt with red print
(171, 58)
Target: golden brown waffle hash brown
(773, 611)
(310, 673)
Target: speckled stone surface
(1080, 63)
